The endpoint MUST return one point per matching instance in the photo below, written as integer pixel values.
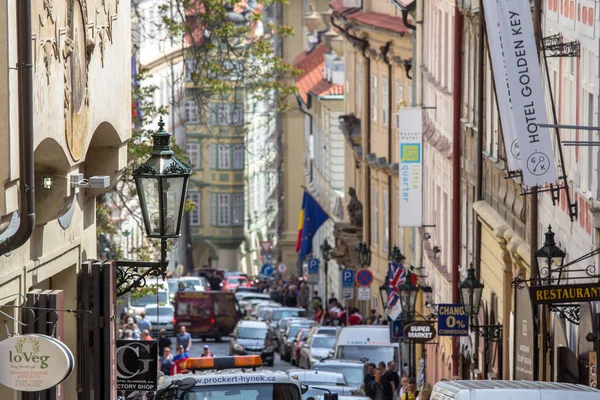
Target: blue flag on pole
(312, 216)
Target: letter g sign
(125, 358)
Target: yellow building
(76, 119)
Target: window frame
(385, 100)
(195, 213)
(374, 92)
(224, 156)
(194, 153)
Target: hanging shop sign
(34, 362)
(137, 365)
(521, 80)
(411, 167)
(452, 320)
(558, 294)
(419, 332)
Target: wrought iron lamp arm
(493, 333)
(133, 274)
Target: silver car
(316, 348)
(161, 317)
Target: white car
(161, 317)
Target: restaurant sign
(419, 332)
(565, 293)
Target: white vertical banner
(496, 34)
(410, 209)
(522, 85)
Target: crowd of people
(382, 382)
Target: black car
(287, 341)
(250, 338)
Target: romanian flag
(312, 216)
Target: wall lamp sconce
(436, 250)
(94, 182)
(47, 182)
(426, 236)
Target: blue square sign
(347, 278)
(313, 266)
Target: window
(213, 209)
(358, 87)
(375, 222)
(386, 220)
(224, 156)
(238, 209)
(191, 112)
(399, 100)
(238, 156)
(213, 156)
(193, 152)
(373, 98)
(195, 214)
(224, 219)
(223, 114)
(385, 101)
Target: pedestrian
(403, 385)
(128, 334)
(369, 376)
(317, 299)
(207, 352)
(369, 321)
(303, 297)
(411, 391)
(290, 297)
(146, 335)
(275, 295)
(163, 340)
(184, 339)
(178, 365)
(143, 323)
(165, 361)
(391, 376)
(319, 314)
(425, 392)
(355, 318)
(132, 326)
(378, 389)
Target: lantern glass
(148, 188)
(173, 189)
(470, 291)
(383, 292)
(408, 295)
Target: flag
(312, 216)
(396, 277)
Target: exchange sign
(452, 320)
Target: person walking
(425, 392)
(391, 376)
(146, 335)
(143, 323)
(369, 376)
(163, 340)
(207, 352)
(411, 391)
(165, 361)
(378, 389)
(303, 297)
(184, 339)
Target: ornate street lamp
(326, 254)
(383, 292)
(363, 254)
(397, 256)
(408, 296)
(549, 255)
(470, 292)
(161, 183)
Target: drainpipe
(301, 106)
(385, 51)
(479, 162)
(404, 12)
(26, 173)
(456, 178)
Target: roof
(373, 19)
(457, 386)
(253, 324)
(340, 361)
(311, 79)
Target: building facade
(80, 107)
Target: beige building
(80, 114)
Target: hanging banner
(501, 85)
(411, 167)
(513, 45)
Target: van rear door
(227, 312)
(194, 310)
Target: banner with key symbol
(452, 320)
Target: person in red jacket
(355, 318)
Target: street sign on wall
(452, 320)
(347, 283)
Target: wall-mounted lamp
(426, 236)
(94, 182)
(47, 182)
(436, 250)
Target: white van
(511, 390)
(366, 343)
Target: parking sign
(348, 278)
(313, 270)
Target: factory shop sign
(34, 362)
(565, 293)
(419, 332)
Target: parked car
(244, 299)
(161, 317)
(316, 348)
(199, 283)
(261, 310)
(287, 341)
(232, 282)
(175, 285)
(249, 338)
(317, 381)
(278, 331)
(325, 330)
(297, 345)
(137, 304)
(366, 342)
(353, 370)
(207, 314)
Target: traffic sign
(452, 320)
(267, 270)
(364, 293)
(348, 293)
(347, 278)
(397, 328)
(394, 311)
(265, 247)
(313, 271)
(364, 277)
(281, 268)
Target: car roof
(252, 324)
(326, 376)
(154, 305)
(457, 386)
(261, 295)
(338, 361)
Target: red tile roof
(376, 20)
(311, 79)
(338, 6)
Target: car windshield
(278, 391)
(279, 314)
(324, 342)
(294, 329)
(237, 280)
(252, 333)
(149, 299)
(159, 311)
(193, 281)
(353, 374)
(374, 354)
